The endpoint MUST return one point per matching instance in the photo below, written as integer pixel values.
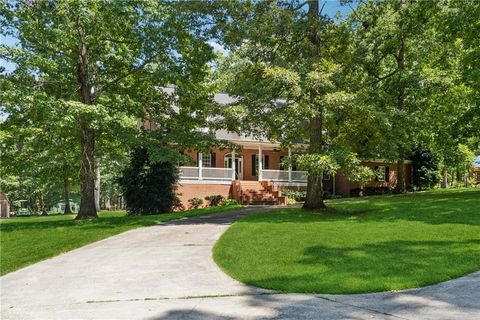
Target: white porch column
(200, 166)
(233, 165)
(260, 163)
(290, 165)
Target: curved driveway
(167, 272)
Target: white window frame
(207, 160)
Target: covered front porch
(250, 162)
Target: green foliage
(230, 202)
(394, 75)
(149, 187)
(464, 158)
(362, 175)
(111, 170)
(297, 81)
(91, 70)
(215, 200)
(194, 203)
(426, 170)
(296, 195)
(317, 164)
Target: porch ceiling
(255, 144)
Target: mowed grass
(26, 240)
(369, 244)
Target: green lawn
(25, 240)
(370, 244)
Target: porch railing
(299, 176)
(226, 174)
(275, 175)
(205, 173)
(188, 172)
(284, 175)
(217, 173)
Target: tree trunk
(66, 195)
(444, 184)
(314, 197)
(87, 174)
(400, 187)
(97, 184)
(43, 207)
(87, 139)
(458, 175)
(108, 204)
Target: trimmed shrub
(296, 195)
(291, 201)
(149, 188)
(426, 173)
(215, 200)
(229, 202)
(195, 203)
(369, 191)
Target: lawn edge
(230, 208)
(427, 284)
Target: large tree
(36, 147)
(95, 59)
(394, 40)
(291, 69)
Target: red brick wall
(187, 191)
(343, 186)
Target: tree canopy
(93, 80)
(98, 66)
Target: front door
(227, 163)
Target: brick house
(253, 174)
(475, 171)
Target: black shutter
(376, 172)
(213, 158)
(387, 174)
(265, 165)
(254, 161)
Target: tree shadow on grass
(385, 266)
(431, 208)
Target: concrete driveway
(167, 272)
